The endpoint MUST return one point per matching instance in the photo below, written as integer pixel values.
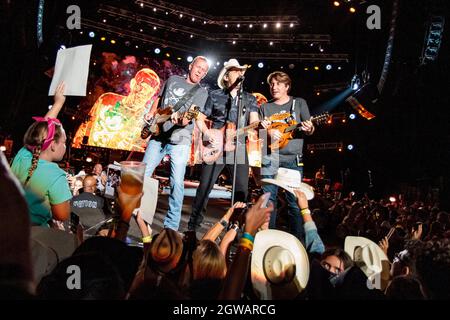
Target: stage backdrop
(117, 117)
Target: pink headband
(50, 131)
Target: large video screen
(119, 99)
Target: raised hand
(417, 234)
(59, 97)
(257, 216)
(384, 244)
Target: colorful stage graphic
(116, 120)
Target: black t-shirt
(89, 208)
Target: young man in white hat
(222, 109)
(290, 156)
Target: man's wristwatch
(224, 223)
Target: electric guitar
(288, 130)
(161, 121)
(226, 138)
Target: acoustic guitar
(162, 118)
(226, 138)
(288, 129)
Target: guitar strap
(293, 115)
(186, 98)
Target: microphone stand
(238, 126)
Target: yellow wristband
(305, 211)
(246, 244)
(147, 239)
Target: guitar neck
(249, 127)
(298, 125)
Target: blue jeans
(179, 155)
(295, 219)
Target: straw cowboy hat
(279, 265)
(291, 180)
(166, 250)
(370, 258)
(232, 63)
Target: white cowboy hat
(279, 265)
(290, 180)
(232, 63)
(370, 258)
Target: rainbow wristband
(246, 244)
(248, 236)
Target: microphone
(236, 82)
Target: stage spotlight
(291, 25)
(226, 25)
(189, 59)
(392, 199)
(250, 25)
(355, 83)
(157, 50)
(328, 67)
(234, 42)
(352, 116)
(316, 68)
(218, 63)
(167, 55)
(113, 41)
(142, 4)
(336, 3)
(278, 25)
(271, 43)
(260, 65)
(340, 149)
(352, 10)
(181, 15)
(154, 9)
(193, 19)
(350, 147)
(238, 25)
(306, 69)
(265, 25)
(192, 36)
(154, 28)
(88, 159)
(92, 34)
(339, 68)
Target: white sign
(72, 67)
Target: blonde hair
(208, 261)
(34, 139)
(280, 76)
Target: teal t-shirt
(48, 186)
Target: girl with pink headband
(46, 188)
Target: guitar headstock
(321, 118)
(194, 113)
